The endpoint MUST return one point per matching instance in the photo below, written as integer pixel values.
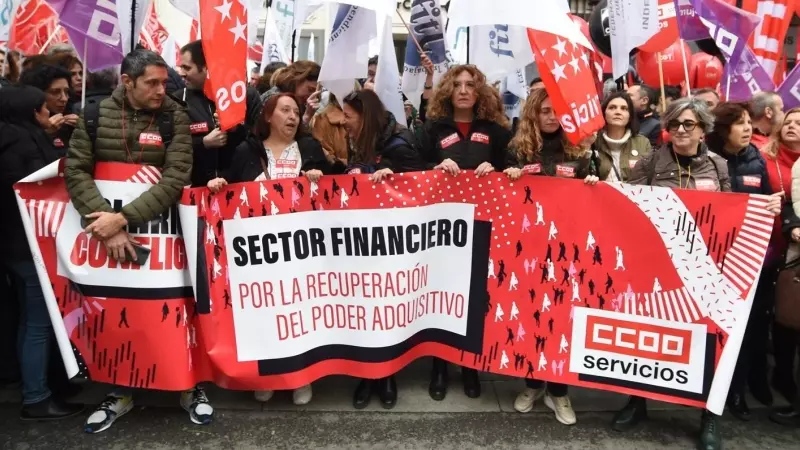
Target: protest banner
(626, 288)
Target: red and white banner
(768, 38)
(567, 71)
(153, 35)
(35, 28)
(224, 30)
(294, 281)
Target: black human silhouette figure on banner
(536, 316)
(278, 188)
(488, 304)
(591, 287)
(313, 204)
(164, 312)
(561, 293)
(550, 325)
(227, 298)
(720, 337)
(565, 276)
(544, 342)
(335, 188)
(123, 318)
(228, 198)
(354, 189)
(609, 284)
(602, 301)
(532, 294)
(545, 273)
(326, 197)
(598, 258)
(576, 253)
(586, 302)
(581, 274)
(501, 276)
(528, 193)
(549, 256)
(299, 187)
(519, 248)
(250, 212)
(529, 374)
(510, 336)
(191, 199)
(177, 316)
(219, 227)
(264, 209)
(562, 252)
(538, 342)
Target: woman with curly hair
(466, 129)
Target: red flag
(194, 33)
(567, 70)
(767, 40)
(153, 34)
(224, 36)
(36, 28)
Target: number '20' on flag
(223, 26)
(567, 72)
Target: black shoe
(472, 385)
(788, 415)
(630, 416)
(387, 392)
(762, 393)
(438, 387)
(738, 408)
(363, 394)
(710, 436)
(49, 409)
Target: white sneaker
(195, 402)
(302, 395)
(110, 410)
(562, 407)
(263, 396)
(526, 399)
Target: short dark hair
(672, 92)
(373, 61)
(725, 115)
(633, 122)
(136, 63)
(374, 121)
(33, 61)
(65, 61)
(650, 93)
(43, 76)
(701, 91)
(20, 103)
(195, 49)
(534, 81)
(104, 79)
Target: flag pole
(410, 33)
(661, 80)
(468, 28)
(685, 68)
(50, 39)
(133, 25)
(294, 43)
(83, 79)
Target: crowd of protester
(693, 142)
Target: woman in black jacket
(747, 169)
(378, 146)
(24, 149)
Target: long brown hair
(528, 140)
(489, 105)
(374, 121)
(774, 145)
(286, 79)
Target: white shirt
(288, 165)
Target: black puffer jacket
(487, 142)
(747, 171)
(553, 161)
(24, 149)
(395, 150)
(246, 164)
(650, 127)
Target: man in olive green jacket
(128, 130)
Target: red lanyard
(125, 138)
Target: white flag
(631, 24)
(274, 49)
(428, 27)
(542, 15)
(457, 38)
(189, 7)
(346, 58)
(499, 50)
(8, 9)
(170, 51)
(124, 17)
(387, 77)
(311, 53)
(255, 11)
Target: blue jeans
(33, 340)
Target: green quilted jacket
(175, 162)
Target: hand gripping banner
(632, 289)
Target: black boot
(788, 415)
(472, 385)
(630, 416)
(710, 436)
(363, 394)
(49, 409)
(387, 392)
(737, 406)
(438, 386)
(759, 387)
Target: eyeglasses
(688, 125)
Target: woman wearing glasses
(685, 163)
(466, 129)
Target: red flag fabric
(567, 72)
(35, 28)
(767, 40)
(153, 34)
(667, 28)
(223, 24)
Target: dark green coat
(175, 162)
(635, 149)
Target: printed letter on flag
(428, 27)
(631, 24)
(729, 26)
(224, 29)
(566, 70)
(93, 29)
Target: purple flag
(729, 26)
(93, 29)
(790, 89)
(748, 77)
(689, 25)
